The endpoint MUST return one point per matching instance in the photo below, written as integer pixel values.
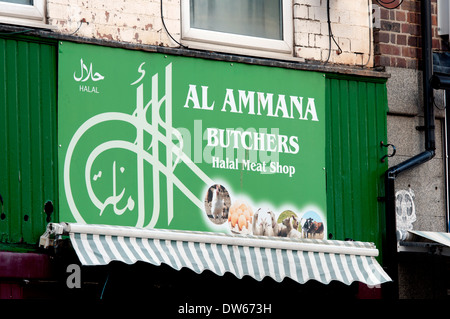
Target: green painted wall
(28, 178)
(356, 117)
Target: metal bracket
(394, 150)
(53, 232)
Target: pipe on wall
(390, 259)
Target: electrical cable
(330, 34)
(165, 28)
(81, 23)
(104, 286)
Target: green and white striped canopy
(439, 237)
(258, 257)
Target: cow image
(312, 228)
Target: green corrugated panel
(356, 124)
(27, 138)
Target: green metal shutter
(28, 156)
(356, 125)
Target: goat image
(272, 229)
(290, 230)
(218, 205)
(295, 222)
(285, 227)
(258, 227)
(275, 229)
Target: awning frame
(421, 242)
(212, 238)
(298, 259)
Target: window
(256, 27)
(23, 12)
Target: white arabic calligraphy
(174, 155)
(114, 198)
(94, 77)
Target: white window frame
(23, 14)
(241, 44)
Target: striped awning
(438, 237)
(258, 257)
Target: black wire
(104, 286)
(165, 28)
(81, 23)
(330, 34)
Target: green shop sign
(159, 141)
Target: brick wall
(133, 21)
(139, 21)
(397, 37)
(350, 25)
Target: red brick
(390, 49)
(401, 39)
(385, 61)
(410, 29)
(392, 15)
(436, 44)
(400, 62)
(390, 26)
(412, 6)
(398, 42)
(414, 41)
(400, 16)
(433, 19)
(410, 52)
(413, 17)
(383, 37)
(384, 13)
(385, 49)
(393, 38)
(376, 60)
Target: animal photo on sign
(217, 204)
